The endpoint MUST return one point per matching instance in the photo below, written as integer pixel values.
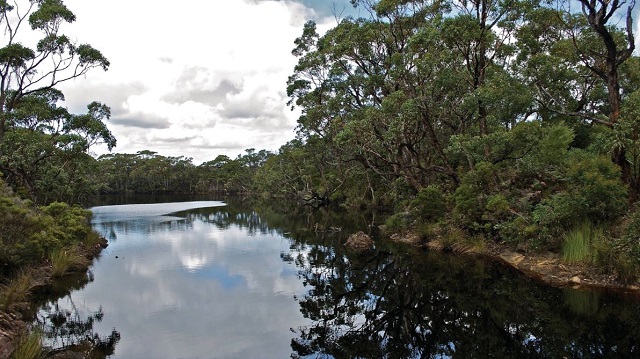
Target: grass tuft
(17, 290)
(29, 347)
(65, 261)
(576, 244)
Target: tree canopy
(40, 141)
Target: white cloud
(194, 78)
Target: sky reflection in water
(205, 281)
(178, 287)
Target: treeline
(149, 172)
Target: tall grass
(17, 290)
(92, 239)
(64, 261)
(577, 243)
(29, 347)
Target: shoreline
(545, 267)
(13, 322)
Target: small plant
(64, 261)
(93, 239)
(16, 291)
(398, 222)
(29, 347)
(577, 244)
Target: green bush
(398, 222)
(430, 204)
(30, 234)
(70, 223)
(593, 192)
(597, 187)
(497, 207)
(468, 204)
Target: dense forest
(514, 121)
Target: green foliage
(592, 191)
(398, 222)
(577, 243)
(30, 234)
(430, 204)
(72, 222)
(43, 147)
(622, 255)
(15, 55)
(65, 260)
(17, 290)
(497, 207)
(471, 198)
(627, 135)
(29, 346)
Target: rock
(408, 238)
(6, 346)
(67, 354)
(575, 280)
(359, 241)
(512, 258)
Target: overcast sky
(196, 78)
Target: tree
(391, 91)
(579, 62)
(33, 127)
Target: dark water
(201, 279)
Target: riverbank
(545, 267)
(14, 319)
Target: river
(213, 279)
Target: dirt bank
(546, 267)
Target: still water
(212, 279)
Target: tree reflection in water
(400, 302)
(432, 305)
(70, 329)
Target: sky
(194, 78)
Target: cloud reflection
(187, 288)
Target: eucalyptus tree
(392, 90)
(376, 89)
(481, 33)
(576, 60)
(34, 129)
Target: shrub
(593, 193)
(28, 234)
(398, 222)
(497, 207)
(596, 187)
(430, 204)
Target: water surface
(202, 279)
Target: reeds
(577, 243)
